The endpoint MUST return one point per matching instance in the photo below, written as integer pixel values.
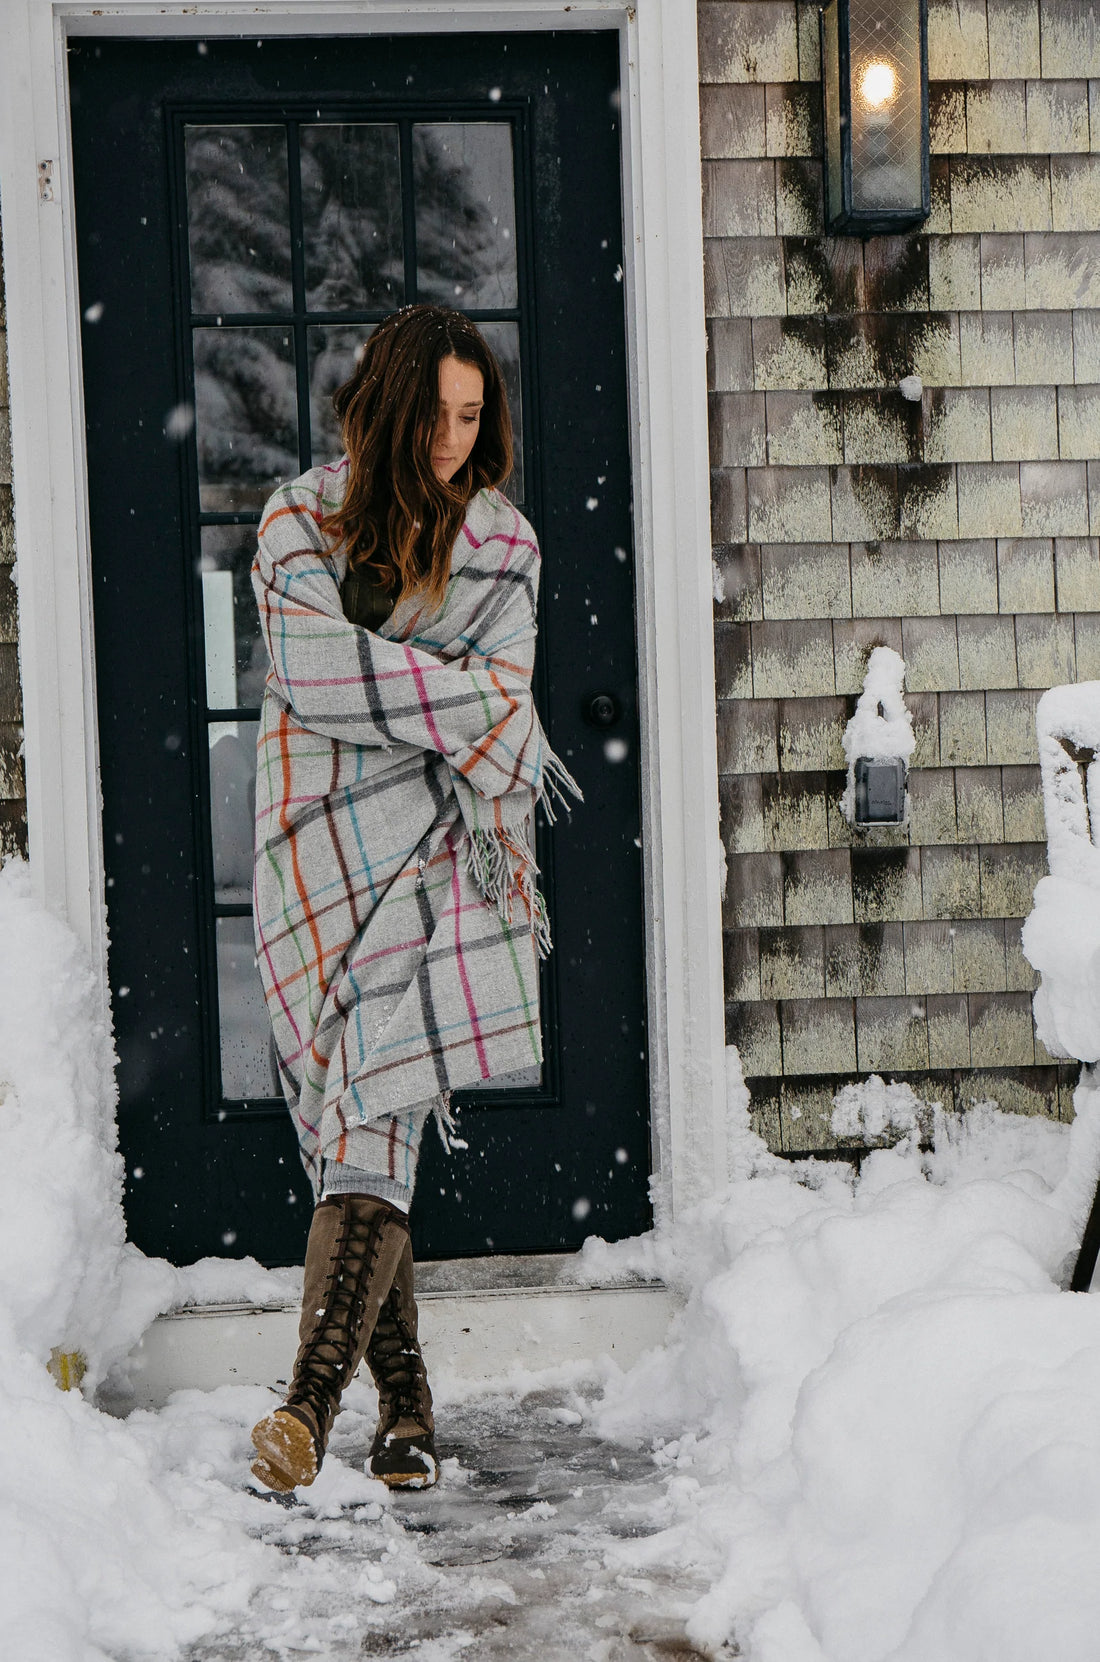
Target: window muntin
(301, 235)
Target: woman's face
(461, 393)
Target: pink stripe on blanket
(425, 705)
(417, 670)
(362, 958)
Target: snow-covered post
(1061, 937)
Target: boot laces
(325, 1366)
(397, 1366)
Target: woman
(398, 922)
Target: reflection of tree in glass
(334, 352)
(351, 215)
(240, 237)
(465, 213)
(503, 339)
(246, 414)
(238, 221)
(233, 810)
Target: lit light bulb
(878, 84)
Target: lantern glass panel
(884, 54)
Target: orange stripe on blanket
(481, 751)
(292, 508)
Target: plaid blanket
(398, 920)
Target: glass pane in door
(234, 652)
(232, 808)
(244, 185)
(247, 1065)
(465, 213)
(246, 415)
(334, 351)
(238, 218)
(351, 216)
(503, 339)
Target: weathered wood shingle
(960, 528)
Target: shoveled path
(522, 1551)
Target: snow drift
(876, 1418)
(104, 1556)
(61, 1229)
(878, 1409)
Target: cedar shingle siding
(13, 808)
(961, 530)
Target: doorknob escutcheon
(603, 711)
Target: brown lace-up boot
(403, 1452)
(355, 1245)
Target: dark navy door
(247, 210)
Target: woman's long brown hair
(397, 516)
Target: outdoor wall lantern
(874, 79)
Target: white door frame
(665, 314)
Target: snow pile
(1061, 938)
(61, 1228)
(876, 1420)
(874, 1110)
(68, 1279)
(103, 1554)
(881, 727)
(879, 1411)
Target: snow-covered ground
(873, 1433)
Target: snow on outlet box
(878, 742)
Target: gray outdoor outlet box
(880, 791)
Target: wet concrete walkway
(528, 1548)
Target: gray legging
(379, 1158)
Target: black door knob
(603, 710)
